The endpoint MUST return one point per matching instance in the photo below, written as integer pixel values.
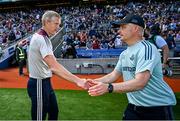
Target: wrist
(76, 80)
(110, 88)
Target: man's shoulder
(37, 37)
(160, 41)
(146, 47)
(159, 38)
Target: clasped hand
(94, 88)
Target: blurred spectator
(111, 45)
(12, 36)
(95, 44)
(76, 42)
(177, 38)
(171, 43)
(18, 34)
(64, 49)
(104, 45)
(89, 44)
(71, 52)
(118, 42)
(66, 37)
(172, 25)
(83, 38)
(160, 43)
(20, 58)
(170, 40)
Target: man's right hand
(85, 84)
(91, 82)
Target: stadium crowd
(14, 26)
(90, 26)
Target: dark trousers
(133, 112)
(21, 64)
(43, 99)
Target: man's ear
(136, 28)
(47, 22)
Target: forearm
(128, 86)
(138, 83)
(165, 55)
(165, 51)
(60, 71)
(111, 77)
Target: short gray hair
(48, 15)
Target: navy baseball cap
(130, 18)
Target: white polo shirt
(40, 47)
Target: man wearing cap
(149, 96)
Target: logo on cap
(134, 21)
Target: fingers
(86, 83)
(91, 82)
(82, 83)
(98, 89)
(94, 88)
(96, 92)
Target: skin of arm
(60, 71)
(111, 77)
(165, 50)
(138, 83)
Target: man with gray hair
(41, 65)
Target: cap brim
(117, 24)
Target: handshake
(94, 88)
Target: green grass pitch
(73, 105)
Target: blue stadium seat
(99, 53)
